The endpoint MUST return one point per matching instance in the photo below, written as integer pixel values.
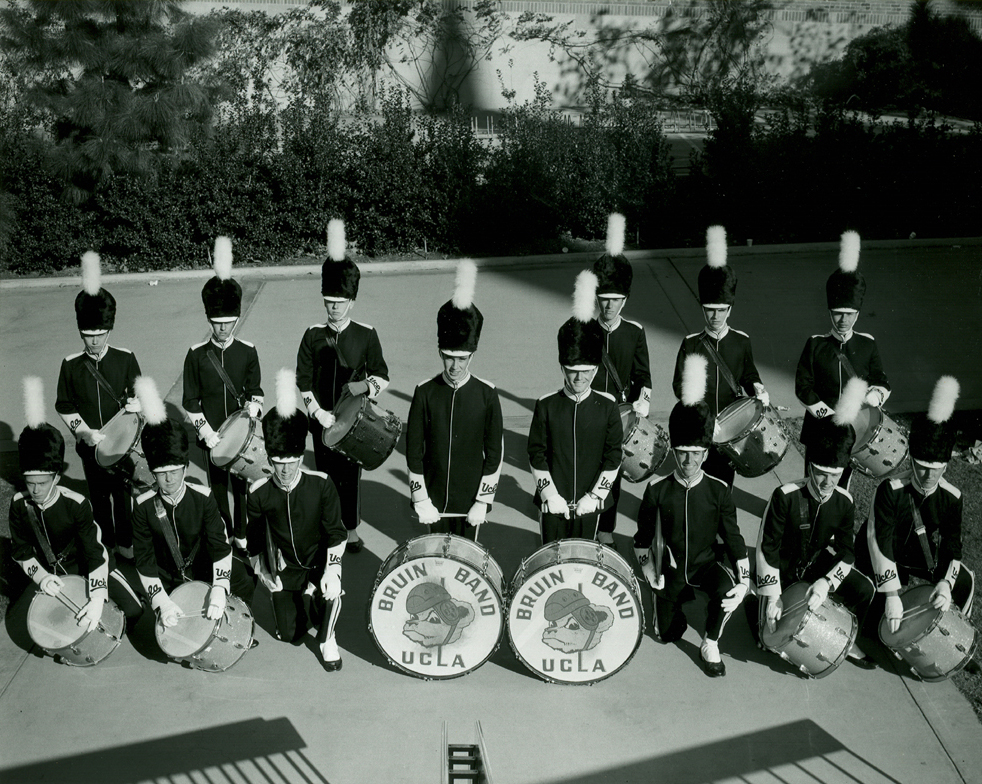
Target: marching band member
(828, 361)
(93, 386)
(806, 532)
(624, 372)
(680, 518)
(222, 376)
(574, 442)
(728, 350)
(336, 358)
(178, 533)
(915, 529)
(296, 537)
(51, 527)
(454, 440)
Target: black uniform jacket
(787, 545)
(205, 392)
(79, 392)
(454, 441)
(734, 349)
(627, 347)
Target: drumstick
(60, 596)
(913, 612)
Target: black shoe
(332, 666)
(863, 664)
(354, 546)
(714, 669)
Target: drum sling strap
(805, 531)
(720, 365)
(846, 364)
(171, 538)
(239, 399)
(612, 372)
(54, 562)
(921, 532)
(101, 381)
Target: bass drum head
(629, 419)
(346, 414)
(193, 631)
(575, 614)
(121, 434)
(235, 432)
(792, 618)
(436, 610)
(916, 626)
(50, 623)
(737, 419)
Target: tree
(112, 80)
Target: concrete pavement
(276, 716)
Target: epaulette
(694, 335)
(424, 381)
(78, 498)
(484, 381)
(634, 323)
(944, 483)
(740, 332)
(196, 346)
(844, 492)
(120, 348)
(19, 496)
(317, 326)
(791, 487)
(257, 484)
(362, 324)
(607, 395)
(145, 496)
(865, 335)
(826, 335)
(205, 491)
(246, 343)
(70, 357)
(896, 484)
(309, 472)
(547, 395)
(715, 478)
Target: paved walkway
(276, 716)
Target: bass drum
(575, 614)
(437, 607)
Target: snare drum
(52, 625)
(814, 641)
(881, 445)
(363, 431)
(645, 445)
(120, 450)
(575, 614)
(751, 436)
(213, 646)
(242, 450)
(934, 644)
(437, 609)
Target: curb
(443, 265)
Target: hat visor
(843, 310)
(94, 331)
(926, 464)
(715, 304)
(829, 469)
(285, 459)
(580, 367)
(37, 472)
(336, 299)
(686, 448)
(168, 467)
(611, 296)
(222, 319)
(454, 353)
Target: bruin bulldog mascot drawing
(435, 618)
(574, 623)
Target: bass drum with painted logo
(575, 613)
(437, 608)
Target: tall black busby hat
(285, 425)
(932, 436)
(717, 280)
(221, 295)
(41, 447)
(165, 442)
(459, 322)
(95, 308)
(846, 287)
(581, 338)
(339, 274)
(834, 437)
(613, 270)
(691, 422)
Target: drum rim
(557, 543)
(41, 596)
(634, 420)
(939, 615)
(111, 607)
(241, 653)
(230, 421)
(122, 414)
(873, 431)
(359, 406)
(379, 576)
(158, 626)
(743, 403)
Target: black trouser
(718, 464)
(458, 526)
(608, 517)
(553, 527)
(222, 482)
(296, 611)
(346, 475)
(711, 578)
(111, 500)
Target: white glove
(92, 437)
(818, 593)
(874, 399)
(51, 584)
(762, 396)
(217, 599)
(168, 612)
(734, 596)
(426, 511)
(941, 596)
(255, 409)
(773, 611)
(641, 407)
(587, 505)
(325, 417)
(357, 388)
(478, 513)
(648, 568)
(894, 612)
(557, 505)
(331, 583)
(90, 615)
(133, 405)
(272, 585)
(209, 436)
(241, 543)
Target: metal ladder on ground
(465, 763)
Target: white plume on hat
(223, 258)
(335, 239)
(943, 399)
(849, 251)
(695, 372)
(584, 294)
(153, 405)
(615, 234)
(716, 246)
(850, 401)
(91, 272)
(34, 401)
(286, 392)
(466, 282)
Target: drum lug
(944, 631)
(220, 638)
(74, 650)
(821, 657)
(90, 660)
(914, 648)
(961, 648)
(239, 645)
